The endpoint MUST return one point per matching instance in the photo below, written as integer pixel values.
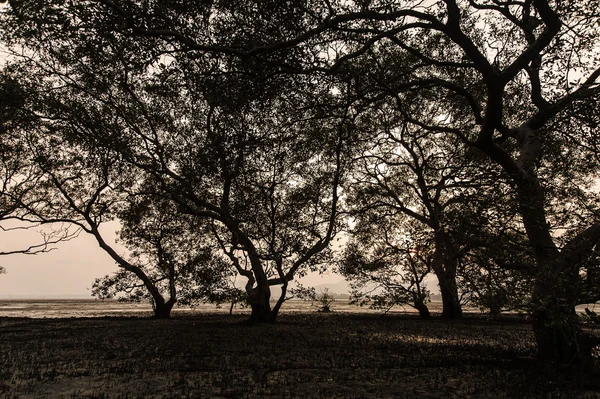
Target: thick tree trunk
(444, 267)
(259, 299)
(423, 310)
(555, 325)
(257, 288)
(556, 334)
(451, 307)
(554, 321)
(162, 309)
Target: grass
(302, 356)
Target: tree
(16, 176)
(281, 201)
(173, 251)
(503, 77)
(498, 277)
(60, 180)
(324, 299)
(387, 267)
(500, 76)
(196, 128)
(406, 175)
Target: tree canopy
(271, 127)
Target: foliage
(386, 270)
(255, 153)
(174, 251)
(324, 299)
(499, 78)
(497, 290)
(266, 126)
(499, 277)
(412, 184)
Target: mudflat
(303, 355)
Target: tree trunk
(495, 311)
(257, 288)
(280, 301)
(555, 324)
(554, 321)
(162, 309)
(451, 307)
(423, 310)
(259, 299)
(444, 268)
(557, 333)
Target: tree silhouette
(211, 102)
(387, 267)
(175, 253)
(264, 170)
(498, 76)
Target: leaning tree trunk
(162, 308)
(422, 308)
(259, 296)
(257, 287)
(280, 301)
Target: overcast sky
(70, 270)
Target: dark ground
(302, 356)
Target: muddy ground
(304, 355)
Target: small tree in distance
(499, 277)
(175, 253)
(324, 299)
(386, 270)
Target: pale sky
(68, 270)
(71, 269)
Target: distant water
(65, 308)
